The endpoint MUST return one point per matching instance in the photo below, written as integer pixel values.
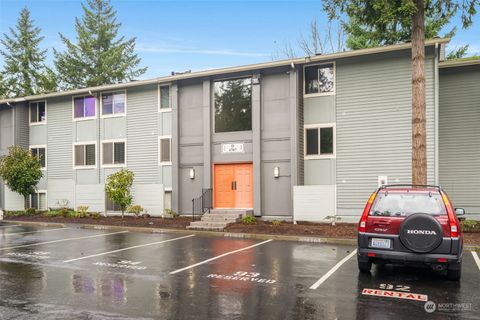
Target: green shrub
(136, 210)
(82, 211)
(170, 213)
(276, 223)
(249, 219)
(95, 215)
(10, 213)
(470, 226)
(53, 213)
(30, 211)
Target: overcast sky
(182, 35)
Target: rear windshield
(404, 204)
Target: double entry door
(233, 185)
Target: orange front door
(233, 185)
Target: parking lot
(105, 274)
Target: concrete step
(205, 228)
(209, 223)
(228, 217)
(242, 212)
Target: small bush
(82, 211)
(470, 226)
(136, 210)
(53, 213)
(30, 212)
(95, 215)
(249, 220)
(276, 223)
(11, 213)
(170, 213)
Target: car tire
(364, 267)
(454, 274)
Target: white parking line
(331, 271)
(476, 258)
(61, 240)
(220, 256)
(10, 225)
(123, 249)
(46, 230)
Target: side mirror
(459, 211)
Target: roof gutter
(251, 67)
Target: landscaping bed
(127, 221)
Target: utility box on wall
(313, 203)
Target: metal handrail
(202, 204)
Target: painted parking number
(246, 274)
(397, 287)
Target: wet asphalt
(52, 273)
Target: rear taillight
(362, 226)
(454, 227)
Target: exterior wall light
(276, 172)
(192, 173)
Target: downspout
(437, 79)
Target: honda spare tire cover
(421, 233)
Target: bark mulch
(127, 221)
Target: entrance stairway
(218, 219)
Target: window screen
(164, 97)
(165, 154)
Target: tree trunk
(26, 202)
(419, 139)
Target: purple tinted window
(89, 106)
(119, 100)
(78, 106)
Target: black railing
(202, 204)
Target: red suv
(410, 224)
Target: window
(41, 153)
(38, 112)
(401, 204)
(38, 200)
(113, 153)
(110, 205)
(320, 79)
(233, 105)
(84, 107)
(319, 141)
(165, 149)
(84, 155)
(164, 98)
(167, 200)
(113, 103)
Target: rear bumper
(450, 249)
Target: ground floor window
(167, 200)
(110, 205)
(38, 201)
(319, 141)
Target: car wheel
(454, 274)
(364, 267)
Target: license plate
(380, 243)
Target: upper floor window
(319, 141)
(165, 150)
(320, 79)
(113, 153)
(113, 103)
(233, 105)
(41, 153)
(85, 155)
(38, 112)
(164, 98)
(84, 107)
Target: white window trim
(332, 93)
(164, 163)
(160, 98)
(73, 155)
(39, 146)
(319, 126)
(118, 165)
(113, 115)
(73, 107)
(30, 114)
(37, 192)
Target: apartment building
(311, 136)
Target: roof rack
(410, 185)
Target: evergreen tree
(100, 56)
(24, 70)
(3, 87)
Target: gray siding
(142, 133)
(21, 125)
(6, 129)
(459, 131)
(374, 125)
(60, 138)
